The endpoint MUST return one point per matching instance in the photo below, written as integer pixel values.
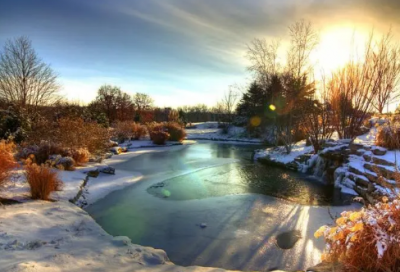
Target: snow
(279, 154)
(59, 236)
(210, 131)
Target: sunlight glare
(337, 46)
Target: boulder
(378, 151)
(107, 170)
(93, 173)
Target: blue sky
(178, 51)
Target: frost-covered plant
(140, 131)
(42, 181)
(7, 162)
(366, 240)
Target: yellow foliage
(355, 216)
(357, 227)
(320, 232)
(341, 221)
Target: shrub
(176, 132)
(124, 130)
(368, 240)
(159, 137)
(154, 127)
(42, 181)
(388, 137)
(7, 162)
(80, 155)
(71, 134)
(140, 131)
(61, 163)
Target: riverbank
(357, 167)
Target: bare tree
(317, 116)
(24, 78)
(263, 56)
(387, 60)
(228, 104)
(297, 89)
(353, 90)
(303, 40)
(142, 101)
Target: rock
(355, 147)
(107, 156)
(367, 157)
(116, 150)
(378, 160)
(113, 144)
(203, 225)
(378, 151)
(359, 180)
(355, 170)
(93, 173)
(379, 170)
(107, 170)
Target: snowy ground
(279, 154)
(210, 131)
(59, 236)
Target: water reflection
(245, 177)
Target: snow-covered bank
(210, 131)
(357, 167)
(59, 236)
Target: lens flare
(272, 107)
(166, 193)
(255, 121)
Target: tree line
(288, 99)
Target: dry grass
(7, 162)
(81, 156)
(159, 137)
(388, 137)
(176, 132)
(71, 133)
(42, 181)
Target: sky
(181, 52)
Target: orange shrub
(159, 137)
(366, 240)
(176, 132)
(388, 137)
(80, 156)
(154, 127)
(124, 130)
(42, 181)
(71, 133)
(140, 131)
(7, 162)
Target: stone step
(361, 181)
(378, 151)
(377, 160)
(380, 170)
(365, 194)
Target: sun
(338, 45)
